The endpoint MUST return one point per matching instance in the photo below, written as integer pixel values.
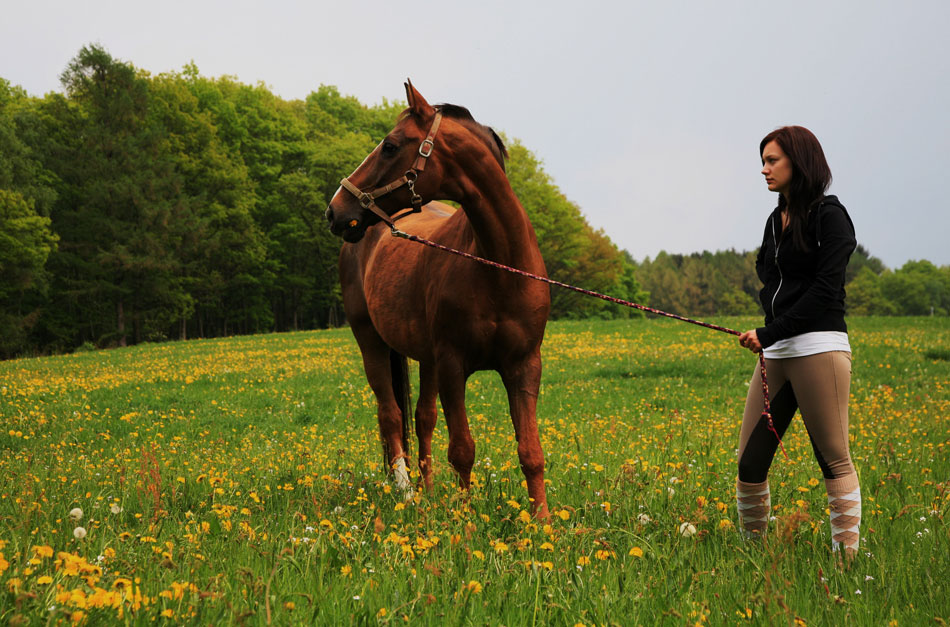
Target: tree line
(724, 282)
(142, 208)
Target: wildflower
(603, 554)
(500, 547)
(524, 516)
(43, 551)
(478, 555)
(289, 606)
(474, 587)
(346, 570)
(563, 514)
(169, 613)
(644, 519)
(381, 613)
(115, 508)
(583, 560)
(79, 533)
(725, 523)
(636, 552)
(687, 529)
(75, 514)
(546, 546)
(45, 580)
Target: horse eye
(389, 149)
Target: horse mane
(486, 133)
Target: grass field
(240, 481)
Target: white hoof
(401, 475)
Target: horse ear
(417, 103)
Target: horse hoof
(401, 475)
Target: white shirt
(808, 344)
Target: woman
(805, 249)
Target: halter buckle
(425, 148)
(366, 200)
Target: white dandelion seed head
(115, 508)
(644, 519)
(75, 514)
(79, 533)
(687, 529)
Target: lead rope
(767, 409)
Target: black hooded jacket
(803, 290)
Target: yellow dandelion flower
(381, 613)
(346, 570)
(45, 580)
(636, 552)
(43, 551)
(563, 514)
(478, 555)
(524, 516)
(474, 587)
(500, 547)
(583, 560)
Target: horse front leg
(522, 382)
(461, 454)
(426, 417)
(388, 414)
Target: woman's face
(777, 168)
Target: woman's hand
(750, 340)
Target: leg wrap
(844, 504)
(754, 504)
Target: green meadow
(240, 481)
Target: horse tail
(399, 366)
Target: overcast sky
(648, 115)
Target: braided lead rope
(767, 410)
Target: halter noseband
(368, 199)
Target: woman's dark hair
(811, 175)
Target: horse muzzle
(351, 229)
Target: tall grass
(240, 481)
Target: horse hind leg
(522, 383)
(426, 418)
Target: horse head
(392, 173)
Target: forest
(139, 208)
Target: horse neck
(500, 224)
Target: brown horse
(450, 314)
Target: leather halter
(368, 199)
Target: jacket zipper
(781, 278)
